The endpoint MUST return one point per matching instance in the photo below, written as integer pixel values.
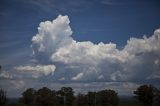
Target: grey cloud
(36, 71)
(5, 75)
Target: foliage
(66, 96)
(45, 97)
(81, 100)
(145, 94)
(101, 98)
(3, 98)
(156, 96)
(28, 97)
(107, 98)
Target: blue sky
(94, 21)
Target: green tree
(91, 98)
(28, 97)
(0, 67)
(3, 98)
(81, 100)
(45, 97)
(145, 94)
(107, 98)
(66, 96)
(156, 96)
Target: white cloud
(78, 76)
(101, 77)
(139, 46)
(100, 66)
(14, 87)
(51, 36)
(62, 79)
(38, 70)
(136, 61)
(5, 74)
(86, 53)
(18, 84)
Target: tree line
(147, 95)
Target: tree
(66, 96)
(156, 96)
(42, 97)
(0, 67)
(3, 98)
(91, 98)
(28, 97)
(107, 98)
(145, 94)
(45, 97)
(81, 100)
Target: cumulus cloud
(19, 84)
(58, 58)
(79, 76)
(14, 87)
(61, 59)
(86, 61)
(51, 36)
(5, 75)
(38, 70)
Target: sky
(88, 45)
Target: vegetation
(146, 95)
(3, 98)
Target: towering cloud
(51, 36)
(84, 65)
(86, 61)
